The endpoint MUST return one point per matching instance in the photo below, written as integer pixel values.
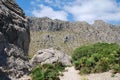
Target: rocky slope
(66, 36)
(47, 24)
(14, 41)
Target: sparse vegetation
(47, 71)
(99, 57)
(55, 39)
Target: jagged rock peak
(100, 22)
(45, 23)
(99, 31)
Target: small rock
(25, 78)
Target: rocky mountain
(47, 24)
(14, 41)
(99, 31)
(54, 35)
(66, 36)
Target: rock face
(47, 24)
(66, 36)
(50, 56)
(99, 31)
(14, 41)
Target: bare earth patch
(72, 74)
(103, 76)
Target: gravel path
(103, 76)
(72, 74)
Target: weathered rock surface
(99, 31)
(14, 41)
(25, 78)
(66, 36)
(50, 56)
(47, 24)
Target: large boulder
(50, 56)
(14, 41)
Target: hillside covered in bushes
(99, 57)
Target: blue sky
(74, 10)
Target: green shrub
(47, 71)
(99, 57)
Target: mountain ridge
(37, 21)
(67, 36)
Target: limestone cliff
(66, 36)
(99, 31)
(14, 40)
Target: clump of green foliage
(47, 71)
(99, 57)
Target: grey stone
(50, 56)
(99, 31)
(25, 77)
(47, 24)
(14, 41)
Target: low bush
(47, 71)
(99, 57)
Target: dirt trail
(72, 74)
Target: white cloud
(90, 10)
(81, 10)
(46, 11)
